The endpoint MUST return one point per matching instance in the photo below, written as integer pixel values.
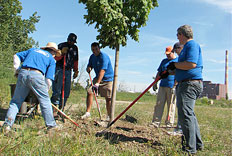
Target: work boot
(155, 124)
(86, 115)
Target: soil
(125, 134)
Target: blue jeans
(57, 85)
(187, 93)
(30, 80)
(178, 127)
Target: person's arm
(58, 58)
(185, 65)
(75, 66)
(158, 73)
(17, 62)
(48, 82)
(100, 76)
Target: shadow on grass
(115, 138)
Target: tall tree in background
(14, 31)
(115, 20)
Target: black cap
(72, 37)
(176, 45)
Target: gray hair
(186, 30)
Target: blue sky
(211, 21)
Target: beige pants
(105, 88)
(165, 94)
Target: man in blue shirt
(36, 72)
(165, 93)
(101, 64)
(189, 78)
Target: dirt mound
(126, 135)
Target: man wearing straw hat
(36, 72)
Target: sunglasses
(178, 34)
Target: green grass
(31, 139)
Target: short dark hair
(95, 44)
(186, 30)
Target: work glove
(88, 69)
(171, 66)
(164, 74)
(75, 74)
(155, 87)
(17, 72)
(95, 88)
(64, 50)
(173, 90)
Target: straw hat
(53, 46)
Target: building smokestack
(226, 74)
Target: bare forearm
(185, 65)
(158, 73)
(100, 75)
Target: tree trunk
(114, 83)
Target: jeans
(187, 93)
(57, 85)
(30, 80)
(178, 127)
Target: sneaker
(108, 118)
(155, 124)
(177, 131)
(5, 128)
(169, 125)
(86, 115)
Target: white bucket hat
(53, 46)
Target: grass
(31, 137)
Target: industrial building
(214, 91)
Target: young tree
(115, 20)
(14, 30)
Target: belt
(32, 69)
(186, 80)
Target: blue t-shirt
(102, 61)
(190, 53)
(170, 80)
(39, 59)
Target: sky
(211, 21)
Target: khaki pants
(105, 88)
(165, 94)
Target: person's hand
(164, 74)
(64, 50)
(75, 74)
(171, 66)
(16, 73)
(88, 69)
(173, 90)
(95, 88)
(155, 87)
